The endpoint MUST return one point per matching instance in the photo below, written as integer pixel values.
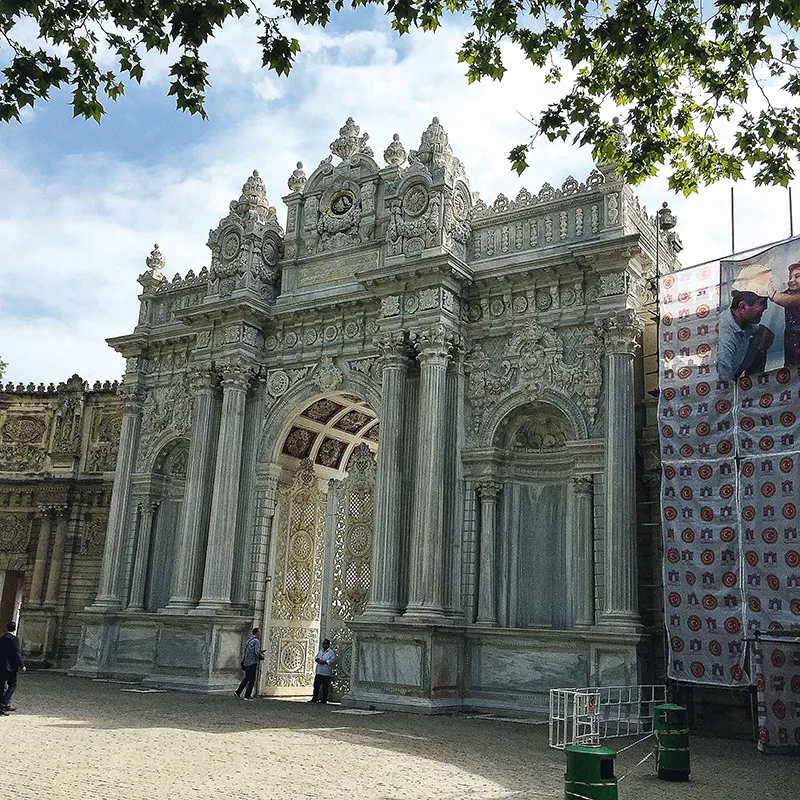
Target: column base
(379, 612)
(178, 607)
(211, 607)
(624, 621)
(425, 615)
(485, 623)
(105, 606)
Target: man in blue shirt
(322, 680)
(253, 654)
(743, 341)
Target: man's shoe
(249, 699)
(10, 708)
(3, 712)
(238, 695)
(323, 702)
(312, 701)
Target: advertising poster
(729, 339)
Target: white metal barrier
(585, 716)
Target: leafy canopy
(702, 88)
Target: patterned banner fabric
(776, 663)
(730, 452)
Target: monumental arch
(407, 421)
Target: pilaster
(580, 560)
(147, 511)
(487, 590)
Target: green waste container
(671, 729)
(590, 773)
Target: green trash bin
(590, 773)
(671, 729)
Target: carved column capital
(433, 344)
(133, 397)
(235, 375)
(620, 332)
(488, 489)
(583, 484)
(203, 379)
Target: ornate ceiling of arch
(329, 429)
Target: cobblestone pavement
(76, 739)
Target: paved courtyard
(76, 739)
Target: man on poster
(743, 340)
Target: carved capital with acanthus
(433, 344)
(204, 379)
(235, 375)
(620, 332)
(133, 397)
(582, 484)
(394, 349)
(488, 489)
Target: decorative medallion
(277, 383)
(415, 201)
(231, 244)
(341, 203)
(270, 250)
(460, 203)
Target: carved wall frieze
(328, 376)
(533, 361)
(165, 409)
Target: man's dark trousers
(249, 680)
(8, 683)
(321, 685)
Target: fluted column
(225, 497)
(580, 561)
(57, 558)
(426, 567)
(487, 590)
(620, 334)
(108, 595)
(266, 503)
(185, 589)
(383, 600)
(147, 511)
(40, 564)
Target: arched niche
(165, 507)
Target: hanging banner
(729, 345)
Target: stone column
(225, 497)
(620, 334)
(188, 565)
(426, 568)
(42, 548)
(147, 511)
(266, 502)
(383, 600)
(487, 590)
(580, 560)
(108, 595)
(57, 559)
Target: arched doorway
(321, 547)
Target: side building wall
(58, 450)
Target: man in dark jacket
(10, 664)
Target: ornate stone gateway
(487, 554)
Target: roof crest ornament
(253, 199)
(395, 153)
(297, 180)
(156, 264)
(349, 142)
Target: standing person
(322, 680)
(10, 664)
(252, 655)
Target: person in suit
(11, 663)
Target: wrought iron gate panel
(352, 560)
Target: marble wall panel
(398, 664)
(501, 668)
(182, 649)
(136, 644)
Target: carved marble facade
(407, 422)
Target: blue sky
(82, 204)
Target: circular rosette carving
(277, 383)
(460, 203)
(231, 245)
(271, 249)
(415, 201)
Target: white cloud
(77, 229)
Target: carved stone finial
(349, 142)
(395, 153)
(155, 263)
(434, 149)
(297, 180)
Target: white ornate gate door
(350, 556)
(291, 628)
